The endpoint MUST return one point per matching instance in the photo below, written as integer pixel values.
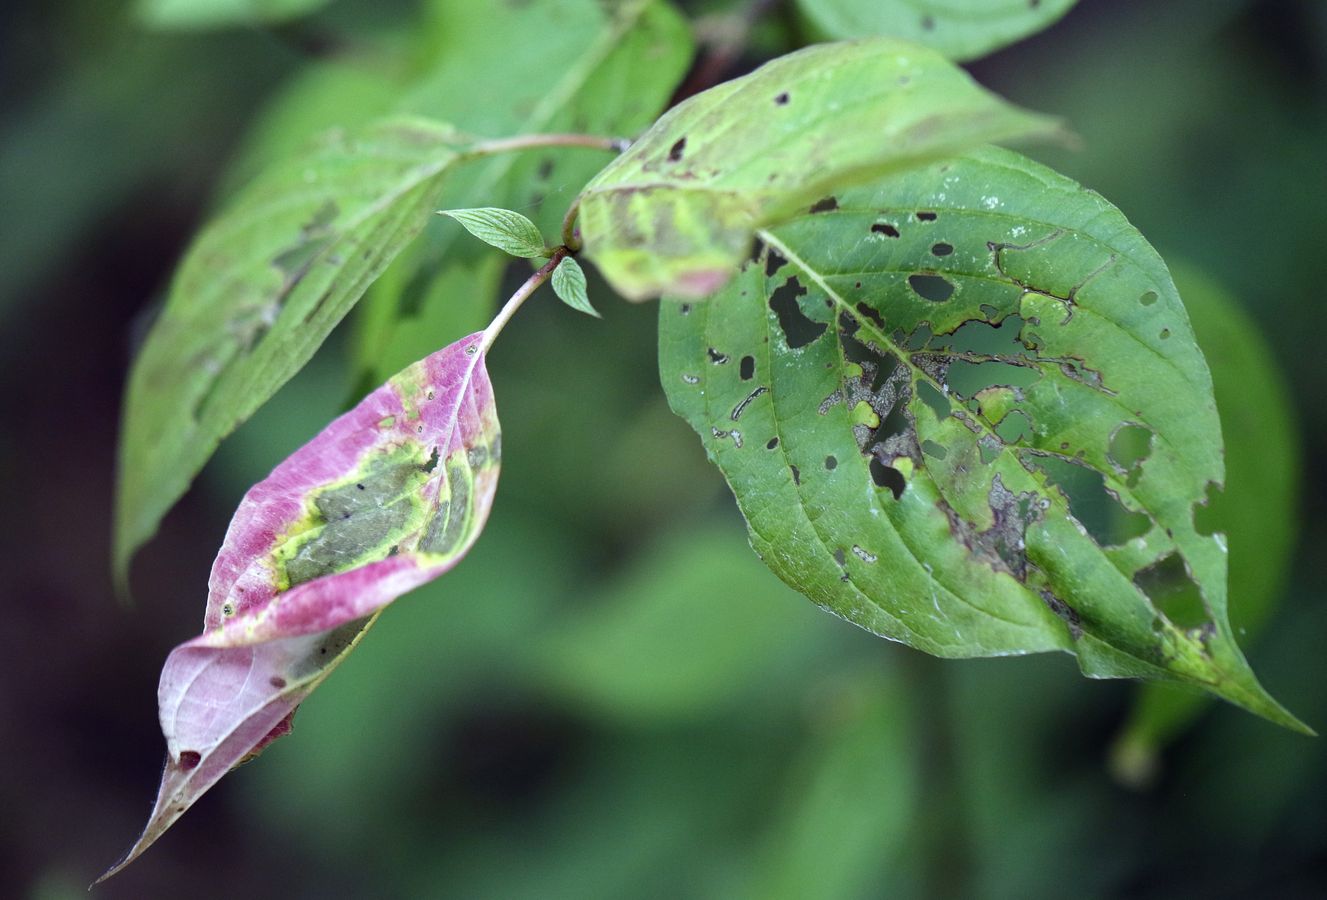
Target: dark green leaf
(964, 409)
(963, 30)
(257, 293)
(1256, 511)
(509, 231)
(677, 211)
(569, 285)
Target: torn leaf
(388, 496)
(1010, 458)
(676, 213)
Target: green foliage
(1255, 511)
(200, 14)
(510, 232)
(676, 212)
(962, 408)
(960, 30)
(259, 290)
(569, 284)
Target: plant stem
(517, 299)
(569, 237)
(536, 141)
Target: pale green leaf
(960, 29)
(964, 409)
(197, 15)
(256, 294)
(677, 211)
(1256, 511)
(509, 231)
(569, 285)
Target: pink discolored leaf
(389, 496)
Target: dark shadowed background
(611, 696)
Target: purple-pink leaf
(389, 496)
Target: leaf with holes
(387, 497)
(962, 407)
(1256, 511)
(258, 292)
(676, 213)
(963, 30)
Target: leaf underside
(676, 212)
(387, 497)
(962, 407)
(258, 292)
(960, 30)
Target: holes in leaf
(1170, 587)
(1165, 333)
(976, 336)
(887, 477)
(1014, 427)
(798, 330)
(936, 401)
(1148, 299)
(782, 99)
(1209, 516)
(829, 204)
(942, 249)
(772, 443)
(931, 448)
(884, 228)
(1106, 519)
(1129, 446)
(797, 474)
(831, 463)
(189, 759)
(277, 682)
(773, 262)
(675, 152)
(926, 216)
(716, 357)
(931, 287)
(747, 368)
(967, 379)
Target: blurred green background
(611, 697)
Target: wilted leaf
(569, 284)
(509, 231)
(677, 211)
(962, 407)
(1256, 511)
(388, 496)
(960, 30)
(257, 293)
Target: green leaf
(960, 30)
(588, 79)
(509, 231)
(197, 15)
(257, 293)
(964, 409)
(569, 285)
(1256, 511)
(677, 211)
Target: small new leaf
(569, 285)
(509, 231)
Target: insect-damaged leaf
(964, 409)
(962, 30)
(257, 293)
(388, 496)
(677, 211)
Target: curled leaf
(389, 496)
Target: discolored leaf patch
(1010, 459)
(387, 497)
(677, 212)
